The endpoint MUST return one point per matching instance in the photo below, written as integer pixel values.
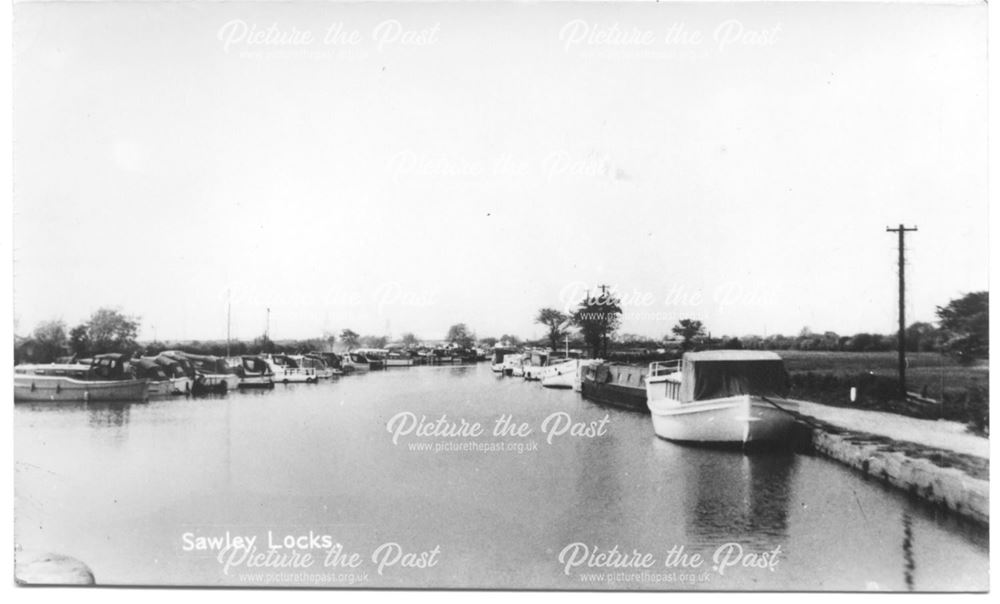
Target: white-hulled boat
(254, 372)
(535, 362)
(375, 357)
(209, 373)
(76, 383)
(329, 369)
(721, 396)
(333, 362)
(513, 364)
(315, 363)
(287, 371)
(565, 374)
(180, 383)
(499, 353)
(355, 361)
(160, 384)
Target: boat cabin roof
(201, 357)
(52, 369)
(731, 355)
(147, 363)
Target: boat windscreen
(149, 369)
(254, 364)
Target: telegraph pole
(604, 321)
(902, 231)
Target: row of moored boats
(118, 377)
(711, 397)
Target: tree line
(962, 330)
(111, 330)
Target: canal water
(570, 496)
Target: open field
(935, 372)
(958, 392)
(821, 360)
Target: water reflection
(99, 414)
(308, 456)
(109, 420)
(108, 415)
(908, 564)
(598, 481)
(730, 495)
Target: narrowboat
(616, 384)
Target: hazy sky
(408, 168)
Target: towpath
(940, 434)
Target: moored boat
(209, 373)
(464, 355)
(375, 357)
(315, 363)
(398, 358)
(331, 364)
(513, 364)
(355, 361)
(159, 382)
(254, 372)
(615, 384)
(721, 397)
(441, 356)
(565, 374)
(499, 354)
(535, 362)
(287, 371)
(334, 362)
(180, 383)
(101, 380)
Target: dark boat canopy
(149, 368)
(111, 366)
(254, 364)
(201, 362)
(723, 373)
